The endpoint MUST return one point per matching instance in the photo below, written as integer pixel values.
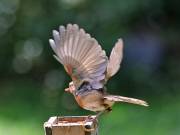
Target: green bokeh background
(32, 82)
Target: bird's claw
(90, 118)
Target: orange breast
(91, 101)
(79, 101)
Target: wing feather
(60, 49)
(115, 59)
(81, 55)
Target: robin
(89, 68)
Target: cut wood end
(74, 125)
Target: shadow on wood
(71, 125)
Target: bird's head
(71, 88)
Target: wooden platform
(71, 125)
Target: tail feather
(126, 99)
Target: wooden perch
(71, 125)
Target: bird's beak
(67, 90)
(70, 89)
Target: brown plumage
(89, 67)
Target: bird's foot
(102, 112)
(88, 128)
(99, 114)
(89, 118)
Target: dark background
(32, 82)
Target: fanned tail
(126, 99)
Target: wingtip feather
(52, 44)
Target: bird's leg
(99, 114)
(109, 109)
(89, 118)
(94, 119)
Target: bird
(89, 68)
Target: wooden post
(71, 125)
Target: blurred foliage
(32, 82)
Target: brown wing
(81, 55)
(115, 59)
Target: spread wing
(81, 55)
(115, 59)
